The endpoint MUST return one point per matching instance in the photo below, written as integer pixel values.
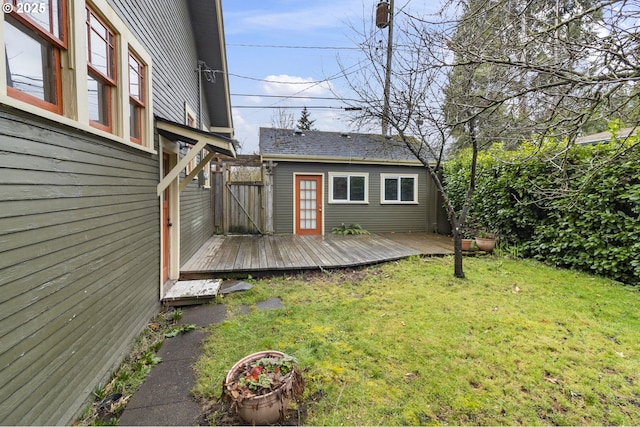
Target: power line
(318, 107)
(336, 76)
(313, 82)
(293, 47)
(329, 98)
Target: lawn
(405, 343)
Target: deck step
(190, 292)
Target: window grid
(136, 96)
(101, 64)
(399, 189)
(37, 45)
(50, 23)
(308, 204)
(36, 38)
(348, 187)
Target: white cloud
(245, 132)
(285, 85)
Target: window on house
(39, 65)
(190, 120)
(348, 188)
(399, 188)
(101, 77)
(136, 97)
(33, 45)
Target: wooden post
(268, 197)
(225, 199)
(218, 194)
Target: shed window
(348, 188)
(399, 188)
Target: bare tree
(281, 119)
(482, 69)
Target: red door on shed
(308, 205)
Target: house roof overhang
(208, 30)
(199, 140)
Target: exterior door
(166, 222)
(308, 205)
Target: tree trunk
(457, 253)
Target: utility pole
(387, 78)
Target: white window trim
(76, 100)
(384, 176)
(348, 175)
(188, 112)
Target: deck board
(240, 255)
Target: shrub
(353, 229)
(577, 208)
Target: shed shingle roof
(335, 146)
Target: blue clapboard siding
(79, 257)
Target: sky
(284, 53)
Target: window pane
(390, 189)
(339, 188)
(134, 121)
(30, 62)
(136, 78)
(406, 189)
(357, 188)
(98, 54)
(47, 15)
(100, 46)
(98, 101)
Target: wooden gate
(244, 207)
(242, 197)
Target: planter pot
(485, 243)
(266, 408)
(466, 244)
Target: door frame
(168, 148)
(165, 220)
(321, 199)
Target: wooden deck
(232, 256)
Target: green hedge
(576, 208)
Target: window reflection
(29, 62)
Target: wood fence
(243, 197)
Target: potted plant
(467, 239)
(261, 386)
(486, 241)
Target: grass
(406, 344)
